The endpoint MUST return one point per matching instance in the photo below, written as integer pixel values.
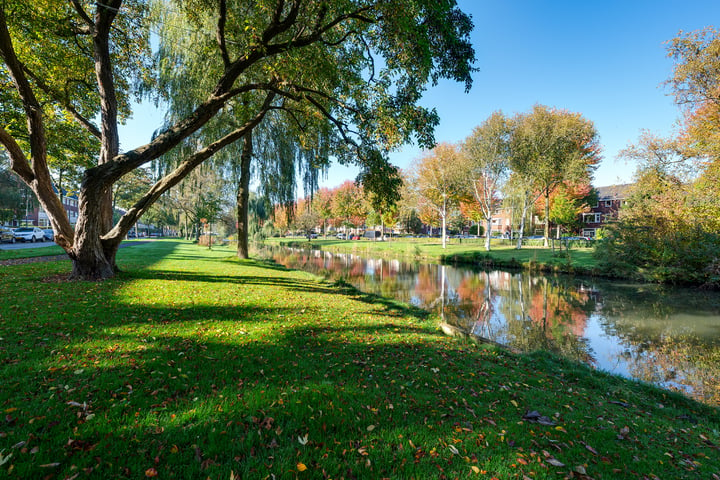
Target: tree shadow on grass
(328, 388)
(209, 402)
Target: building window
(608, 203)
(591, 217)
(588, 232)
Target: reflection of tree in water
(543, 314)
(427, 286)
(679, 363)
(655, 327)
(476, 306)
(529, 313)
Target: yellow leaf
(301, 467)
(475, 469)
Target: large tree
(438, 180)
(551, 146)
(695, 82)
(83, 59)
(487, 156)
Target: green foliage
(658, 237)
(13, 197)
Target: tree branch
(84, 16)
(33, 111)
(94, 131)
(18, 162)
(222, 18)
(173, 178)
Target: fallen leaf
(370, 428)
(301, 467)
(556, 463)
(475, 469)
(303, 440)
(453, 450)
(151, 472)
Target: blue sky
(606, 60)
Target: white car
(29, 234)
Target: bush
(681, 255)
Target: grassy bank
(191, 364)
(466, 251)
(31, 252)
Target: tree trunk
(521, 230)
(243, 197)
(92, 262)
(546, 231)
(488, 226)
(444, 216)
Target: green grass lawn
(192, 364)
(468, 251)
(31, 252)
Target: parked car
(341, 236)
(6, 235)
(49, 234)
(29, 234)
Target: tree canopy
(362, 65)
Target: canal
(666, 336)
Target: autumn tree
(322, 205)
(519, 195)
(551, 146)
(487, 156)
(438, 181)
(348, 204)
(695, 82)
(470, 209)
(83, 60)
(567, 202)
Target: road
(19, 245)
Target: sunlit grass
(192, 364)
(466, 251)
(31, 252)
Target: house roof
(613, 192)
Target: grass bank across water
(503, 254)
(192, 364)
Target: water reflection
(669, 337)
